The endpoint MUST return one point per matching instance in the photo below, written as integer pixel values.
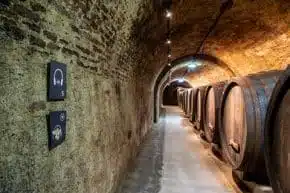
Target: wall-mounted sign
(56, 81)
(57, 128)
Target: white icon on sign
(59, 80)
(57, 132)
(62, 117)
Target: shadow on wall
(145, 176)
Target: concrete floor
(175, 160)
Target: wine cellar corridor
(144, 96)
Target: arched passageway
(117, 58)
(179, 68)
(170, 92)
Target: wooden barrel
(188, 103)
(277, 135)
(188, 112)
(183, 101)
(242, 114)
(193, 104)
(211, 106)
(198, 110)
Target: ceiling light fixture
(191, 65)
(168, 14)
(180, 80)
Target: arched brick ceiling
(250, 37)
(206, 73)
(253, 36)
(190, 22)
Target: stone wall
(108, 109)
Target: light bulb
(168, 14)
(191, 65)
(180, 80)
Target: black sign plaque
(56, 128)
(56, 81)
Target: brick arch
(176, 79)
(175, 64)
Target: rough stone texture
(106, 123)
(114, 52)
(206, 73)
(190, 22)
(252, 36)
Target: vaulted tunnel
(169, 96)
(85, 129)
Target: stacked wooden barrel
(180, 94)
(185, 101)
(183, 96)
(247, 116)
